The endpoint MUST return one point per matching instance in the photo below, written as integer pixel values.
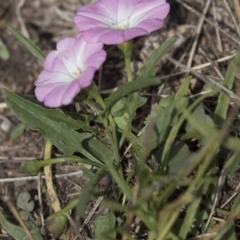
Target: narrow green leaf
(33, 49)
(184, 88)
(223, 100)
(189, 218)
(18, 131)
(131, 87)
(104, 226)
(165, 117)
(199, 113)
(4, 53)
(205, 130)
(87, 189)
(98, 149)
(148, 68)
(178, 157)
(15, 231)
(175, 129)
(227, 232)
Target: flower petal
(84, 50)
(150, 25)
(53, 77)
(94, 35)
(114, 36)
(90, 16)
(156, 12)
(55, 97)
(95, 60)
(62, 79)
(113, 22)
(86, 78)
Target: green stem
(126, 50)
(34, 166)
(127, 61)
(113, 138)
(119, 180)
(70, 206)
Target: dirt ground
(207, 38)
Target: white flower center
(76, 73)
(71, 67)
(121, 24)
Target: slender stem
(113, 138)
(119, 180)
(34, 166)
(100, 101)
(111, 168)
(70, 206)
(126, 49)
(127, 61)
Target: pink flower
(67, 70)
(116, 21)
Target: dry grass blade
(198, 31)
(232, 16)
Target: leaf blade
(148, 68)
(32, 48)
(131, 87)
(54, 126)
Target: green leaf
(180, 104)
(158, 123)
(87, 189)
(203, 129)
(4, 53)
(189, 218)
(99, 150)
(21, 106)
(104, 226)
(35, 231)
(52, 124)
(223, 99)
(18, 131)
(163, 118)
(57, 224)
(128, 105)
(125, 111)
(24, 215)
(148, 68)
(16, 232)
(178, 157)
(183, 89)
(131, 87)
(23, 202)
(200, 114)
(33, 49)
(231, 166)
(227, 232)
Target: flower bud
(31, 167)
(56, 224)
